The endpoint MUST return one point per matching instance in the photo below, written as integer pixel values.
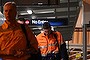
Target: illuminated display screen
(53, 22)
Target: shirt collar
(7, 25)
(43, 35)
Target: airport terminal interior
(70, 17)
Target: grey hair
(12, 3)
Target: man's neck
(11, 22)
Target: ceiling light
(23, 13)
(34, 17)
(45, 12)
(29, 11)
(50, 17)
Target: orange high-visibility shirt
(12, 38)
(48, 44)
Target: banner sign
(53, 22)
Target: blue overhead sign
(53, 22)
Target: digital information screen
(53, 22)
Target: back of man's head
(46, 25)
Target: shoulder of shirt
(57, 32)
(40, 35)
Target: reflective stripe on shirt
(48, 45)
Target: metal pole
(84, 35)
(84, 42)
(68, 19)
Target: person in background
(49, 43)
(13, 44)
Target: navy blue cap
(46, 25)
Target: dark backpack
(62, 50)
(33, 56)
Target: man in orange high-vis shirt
(49, 43)
(13, 44)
